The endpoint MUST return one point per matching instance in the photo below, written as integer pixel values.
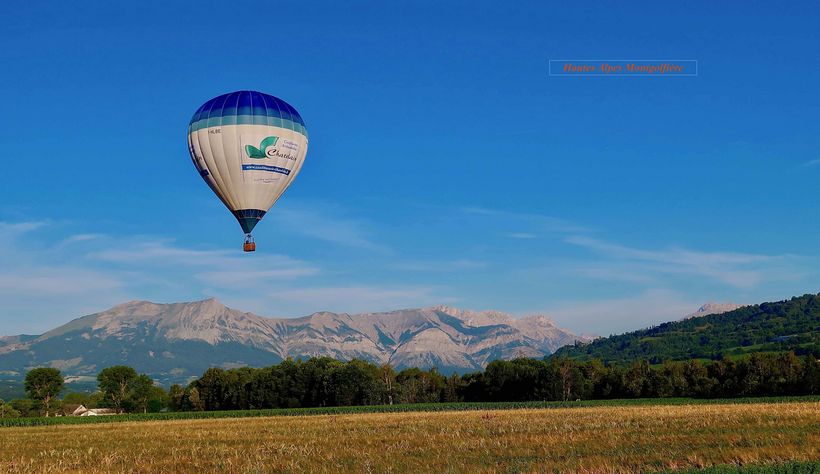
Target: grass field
(636, 438)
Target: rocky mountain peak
(475, 318)
(713, 308)
(210, 303)
(540, 319)
(130, 305)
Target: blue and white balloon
(249, 147)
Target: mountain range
(176, 342)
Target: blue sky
(445, 165)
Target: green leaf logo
(259, 153)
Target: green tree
(452, 389)
(570, 379)
(157, 399)
(212, 388)
(811, 375)
(419, 386)
(636, 378)
(176, 396)
(790, 370)
(357, 382)
(77, 398)
(115, 384)
(591, 374)
(24, 406)
(194, 400)
(316, 375)
(673, 381)
(43, 385)
(237, 381)
(140, 392)
(7, 411)
(96, 400)
(388, 380)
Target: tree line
(323, 381)
(328, 382)
(120, 388)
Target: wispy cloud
(436, 266)
(521, 235)
(741, 270)
(811, 163)
(328, 224)
(625, 272)
(535, 222)
(253, 278)
(364, 298)
(88, 272)
(50, 284)
(12, 229)
(39, 286)
(56, 281)
(217, 268)
(81, 238)
(163, 252)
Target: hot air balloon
(248, 147)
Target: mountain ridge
(176, 341)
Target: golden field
(595, 439)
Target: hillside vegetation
(791, 325)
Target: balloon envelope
(248, 146)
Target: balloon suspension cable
(250, 245)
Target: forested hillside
(791, 325)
